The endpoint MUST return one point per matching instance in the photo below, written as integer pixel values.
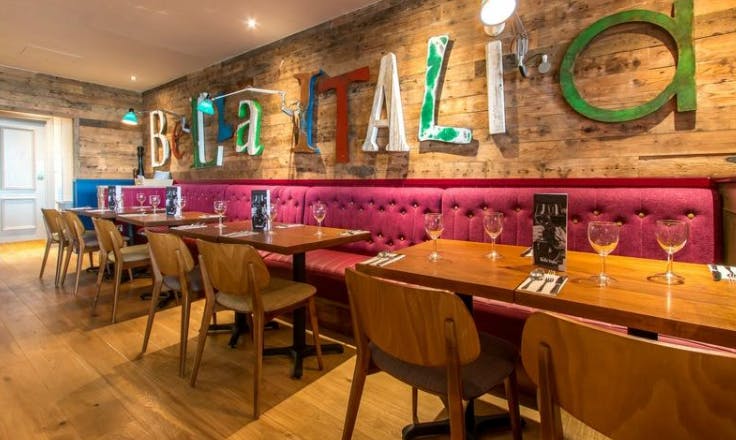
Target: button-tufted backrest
(201, 197)
(290, 201)
(636, 209)
(394, 216)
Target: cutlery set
(721, 272)
(384, 258)
(549, 284)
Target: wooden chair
(78, 241)
(173, 266)
(244, 285)
(113, 248)
(51, 218)
(427, 339)
(626, 387)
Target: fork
(547, 279)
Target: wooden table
(294, 241)
(138, 218)
(701, 309)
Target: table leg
(299, 348)
(645, 334)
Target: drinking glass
(319, 211)
(434, 227)
(603, 237)
(141, 200)
(493, 225)
(220, 207)
(272, 214)
(671, 236)
(154, 199)
(180, 203)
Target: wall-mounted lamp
(207, 106)
(131, 117)
(494, 14)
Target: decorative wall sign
(494, 75)
(176, 134)
(340, 84)
(428, 129)
(251, 111)
(305, 112)
(224, 130)
(157, 127)
(683, 83)
(387, 92)
(199, 149)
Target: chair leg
(67, 258)
(130, 274)
(91, 263)
(258, 323)
(59, 259)
(209, 308)
(100, 275)
(315, 331)
(116, 293)
(80, 260)
(512, 396)
(45, 257)
(356, 392)
(414, 404)
(186, 307)
(151, 312)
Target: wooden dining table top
(287, 239)
(147, 219)
(701, 309)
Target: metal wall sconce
(131, 117)
(207, 106)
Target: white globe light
(494, 12)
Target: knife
(558, 283)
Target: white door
(22, 184)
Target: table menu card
(549, 231)
(114, 197)
(173, 195)
(260, 202)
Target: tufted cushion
(289, 199)
(637, 209)
(394, 216)
(496, 361)
(202, 197)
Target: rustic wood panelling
(103, 148)
(625, 66)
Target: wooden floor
(68, 375)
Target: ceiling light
(252, 23)
(133, 77)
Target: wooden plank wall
(103, 147)
(545, 137)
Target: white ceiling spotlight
(251, 23)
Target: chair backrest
(51, 219)
(409, 322)
(227, 267)
(108, 235)
(163, 248)
(73, 228)
(627, 387)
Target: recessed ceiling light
(252, 23)
(133, 78)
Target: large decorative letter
(428, 130)
(340, 84)
(682, 85)
(224, 130)
(200, 151)
(387, 92)
(250, 110)
(157, 126)
(494, 75)
(303, 142)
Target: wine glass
(671, 236)
(220, 207)
(272, 214)
(141, 200)
(319, 211)
(154, 200)
(603, 237)
(434, 227)
(180, 203)
(493, 225)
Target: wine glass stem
(603, 265)
(669, 263)
(219, 219)
(493, 246)
(435, 246)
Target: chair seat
(496, 361)
(132, 254)
(194, 277)
(280, 294)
